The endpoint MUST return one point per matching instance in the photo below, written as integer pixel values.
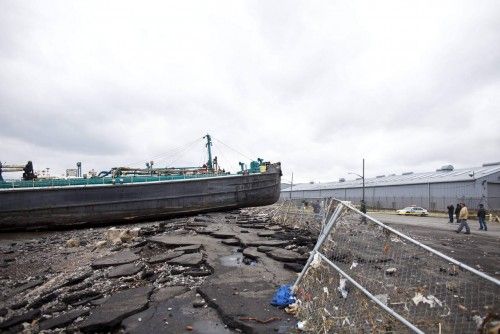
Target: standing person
(451, 210)
(481, 216)
(462, 219)
(457, 211)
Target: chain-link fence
(365, 277)
(302, 214)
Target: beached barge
(71, 202)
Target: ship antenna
(209, 145)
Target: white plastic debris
(301, 325)
(435, 300)
(342, 288)
(325, 290)
(346, 322)
(478, 320)
(430, 300)
(396, 239)
(353, 265)
(316, 262)
(383, 298)
(390, 271)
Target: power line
(174, 152)
(233, 149)
(181, 153)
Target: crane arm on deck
(27, 169)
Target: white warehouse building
(432, 190)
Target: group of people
(462, 214)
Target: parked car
(413, 211)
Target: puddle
(209, 327)
(233, 260)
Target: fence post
(320, 241)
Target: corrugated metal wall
(494, 195)
(433, 196)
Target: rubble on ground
(171, 273)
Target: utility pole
(364, 206)
(363, 203)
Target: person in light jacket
(462, 219)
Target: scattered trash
(327, 312)
(478, 320)
(390, 271)
(346, 322)
(430, 299)
(118, 236)
(316, 262)
(292, 308)
(302, 325)
(392, 267)
(383, 298)
(342, 287)
(283, 296)
(395, 239)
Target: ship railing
(100, 181)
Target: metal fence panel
(366, 277)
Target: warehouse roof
(444, 174)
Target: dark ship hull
(52, 207)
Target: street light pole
(363, 204)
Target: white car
(413, 211)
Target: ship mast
(209, 145)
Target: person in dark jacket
(457, 211)
(481, 216)
(451, 209)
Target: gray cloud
(317, 85)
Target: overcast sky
(409, 86)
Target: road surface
(480, 249)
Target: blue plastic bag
(283, 296)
